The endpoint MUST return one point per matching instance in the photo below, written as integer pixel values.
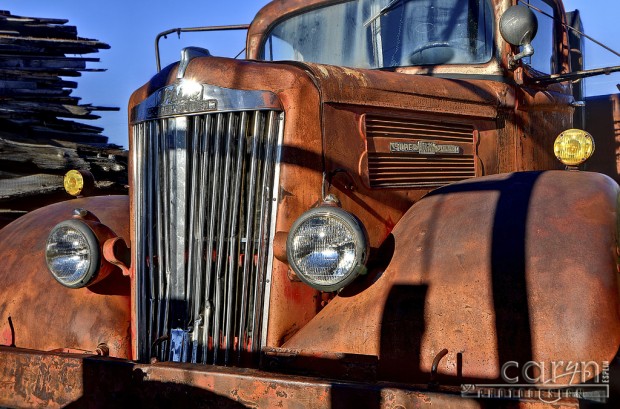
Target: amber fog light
(72, 254)
(327, 248)
(73, 182)
(573, 147)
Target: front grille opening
(204, 203)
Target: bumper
(43, 379)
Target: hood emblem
(424, 148)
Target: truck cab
(372, 199)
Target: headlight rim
(90, 276)
(362, 246)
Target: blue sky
(130, 28)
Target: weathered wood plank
(17, 155)
(32, 185)
(36, 74)
(6, 15)
(44, 61)
(35, 29)
(66, 46)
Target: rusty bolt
(82, 213)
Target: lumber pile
(42, 135)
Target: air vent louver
(415, 153)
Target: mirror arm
(528, 50)
(575, 76)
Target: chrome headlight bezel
(91, 245)
(360, 241)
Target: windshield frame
(258, 40)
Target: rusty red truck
(383, 205)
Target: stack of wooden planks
(41, 133)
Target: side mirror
(518, 26)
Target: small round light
(72, 254)
(573, 147)
(73, 182)
(327, 248)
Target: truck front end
(363, 210)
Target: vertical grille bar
(214, 212)
(158, 147)
(204, 203)
(233, 240)
(249, 229)
(149, 214)
(199, 311)
(178, 207)
(193, 258)
(164, 270)
(221, 250)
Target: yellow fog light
(74, 182)
(573, 147)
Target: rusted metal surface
(33, 379)
(494, 269)
(44, 314)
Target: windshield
(386, 33)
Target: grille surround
(191, 166)
(407, 166)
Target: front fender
(518, 268)
(36, 311)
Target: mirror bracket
(527, 51)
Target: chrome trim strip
(269, 145)
(189, 97)
(140, 344)
(272, 229)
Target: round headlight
(327, 248)
(72, 254)
(573, 147)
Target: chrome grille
(204, 201)
(387, 169)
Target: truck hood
(340, 85)
(472, 96)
